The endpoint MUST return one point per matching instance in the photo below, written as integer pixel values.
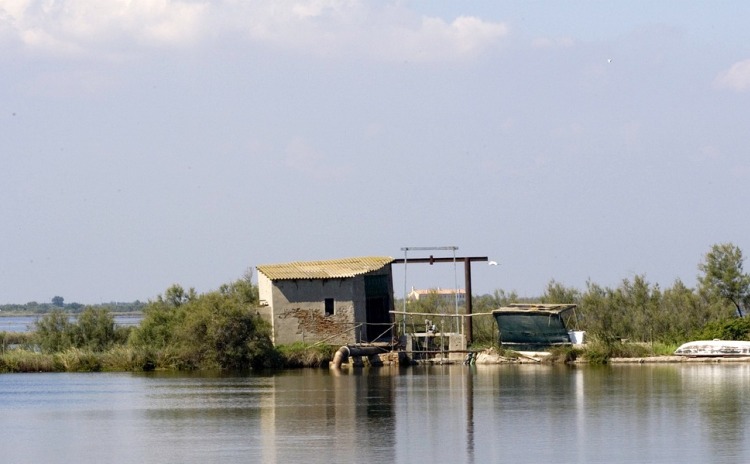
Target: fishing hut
(534, 326)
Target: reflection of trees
(720, 392)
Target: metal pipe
(343, 354)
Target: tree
(219, 329)
(58, 301)
(53, 332)
(558, 293)
(176, 296)
(94, 329)
(723, 276)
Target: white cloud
(315, 8)
(737, 77)
(436, 40)
(70, 26)
(319, 27)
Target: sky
(145, 143)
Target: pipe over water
(343, 354)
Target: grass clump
(564, 354)
(78, 360)
(22, 360)
(124, 358)
(598, 351)
(306, 355)
(8, 339)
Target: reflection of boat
(536, 325)
(714, 348)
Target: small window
(329, 306)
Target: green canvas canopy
(534, 324)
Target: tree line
(221, 329)
(57, 303)
(636, 309)
(180, 330)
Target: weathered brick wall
(299, 311)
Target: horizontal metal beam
(413, 313)
(431, 260)
(454, 248)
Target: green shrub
(54, 332)
(94, 330)
(726, 329)
(219, 329)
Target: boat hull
(714, 348)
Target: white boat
(714, 348)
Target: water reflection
(721, 394)
(625, 414)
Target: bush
(94, 330)
(726, 329)
(54, 332)
(219, 329)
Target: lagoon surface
(26, 323)
(447, 414)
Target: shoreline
(682, 359)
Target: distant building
(446, 295)
(338, 301)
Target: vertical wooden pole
(467, 286)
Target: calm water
(26, 323)
(454, 414)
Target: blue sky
(145, 143)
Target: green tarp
(533, 325)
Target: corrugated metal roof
(519, 308)
(328, 269)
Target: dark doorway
(377, 308)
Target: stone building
(338, 301)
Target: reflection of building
(339, 301)
(341, 417)
(447, 295)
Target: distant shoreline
(29, 314)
